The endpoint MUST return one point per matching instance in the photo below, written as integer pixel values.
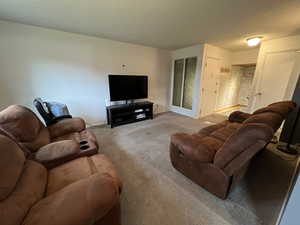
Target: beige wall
(73, 69)
(246, 84)
(227, 88)
(245, 57)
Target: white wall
(291, 209)
(73, 69)
(277, 46)
(291, 214)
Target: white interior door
(209, 87)
(274, 78)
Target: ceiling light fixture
(253, 41)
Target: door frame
(204, 70)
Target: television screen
(127, 87)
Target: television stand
(129, 113)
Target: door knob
(258, 94)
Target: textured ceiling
(166, 24)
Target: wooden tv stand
(129, 113)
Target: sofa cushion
(102, 164)
(83, 202)
(193, 148)
(11, 166)
(68, 173)
(223, 133)
(40, 140)
(66, 126)
(80, 168)
(29, 190)
(212, 143)
(209, 129)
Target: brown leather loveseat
(218, 156)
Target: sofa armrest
(66, 126)
(57, 153)
(238, 116)
(191, 147)
(104, 165)
(83, 202)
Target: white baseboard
(99, 123)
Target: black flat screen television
(127, 87)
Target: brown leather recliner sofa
(218, 156)
(63, 141)
(84, 191)
(46, 179)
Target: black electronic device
(128, 87)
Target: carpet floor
(156, 194)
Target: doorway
(234, 89)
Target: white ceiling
(167, 24)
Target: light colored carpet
(156, 194)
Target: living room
(199, 65)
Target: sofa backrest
(25, 126)
(282, 108)
(22, 182)
(243, 139)
(12, 161)
(273, 115)
(256, 131)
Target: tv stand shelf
(129, 113)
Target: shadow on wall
(83, 90)
(15, 85)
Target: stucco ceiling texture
(168, 24)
